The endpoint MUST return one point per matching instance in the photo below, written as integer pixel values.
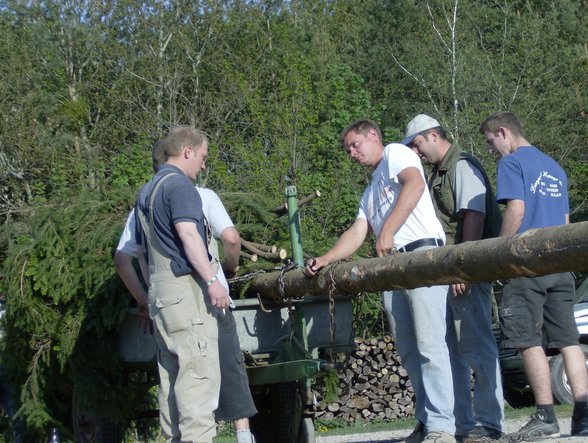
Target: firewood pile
(373, 385)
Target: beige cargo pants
(187, 340)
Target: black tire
(562, 393)
(89, 428)
(280, 413)
(518, 399)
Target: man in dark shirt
(184, 290)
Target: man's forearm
(473, 226)
(349, 242)
(125, 269)
(412, 190)
(195, 250)
(232, 247)
(513, 217)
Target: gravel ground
(512, 425)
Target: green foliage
(322, 425)
(132, 167)
(369, 319)
(63, 301)
(330, 381)
(578, 177)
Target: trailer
(284, 346)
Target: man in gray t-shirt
(464, 203)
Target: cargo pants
(186, 333)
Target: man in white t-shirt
(465, 204)
(235, 400)
(397, 209)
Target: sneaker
(439, 437)
(580, 426)
(417, 435)
(537, 428)
(483, 433)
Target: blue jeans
(417, 322)
(472, 346)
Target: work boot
(482, 434)
(580, 426)
(417, 435)
(537, 428)
(439, 437)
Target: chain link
(245, 277)
(282, 288)
(332, 325)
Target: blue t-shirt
(534, 177)
(177, 200)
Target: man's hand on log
(313, 265)
(385, 243)
(460, 289)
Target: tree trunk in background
(535, 252)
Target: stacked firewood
(373, 385)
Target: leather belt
(420, 243)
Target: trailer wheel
(88, 428)
(306, 432)
(280, 413)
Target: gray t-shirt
(176, 201)
(469, 188)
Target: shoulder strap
(147, 225)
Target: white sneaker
(439, 437)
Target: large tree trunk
(535, 252)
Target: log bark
(252, 257)
(265, 248)
(260, 252)
(534, 252)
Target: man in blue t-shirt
(534, 189)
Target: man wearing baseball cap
(465, 205)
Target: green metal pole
(294, 224)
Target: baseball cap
(420, 123)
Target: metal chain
(282, 288)
(332, 325)
(281, 284)
(245, 277)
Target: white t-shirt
(469, 188)
(380, 197)
(214, 211)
